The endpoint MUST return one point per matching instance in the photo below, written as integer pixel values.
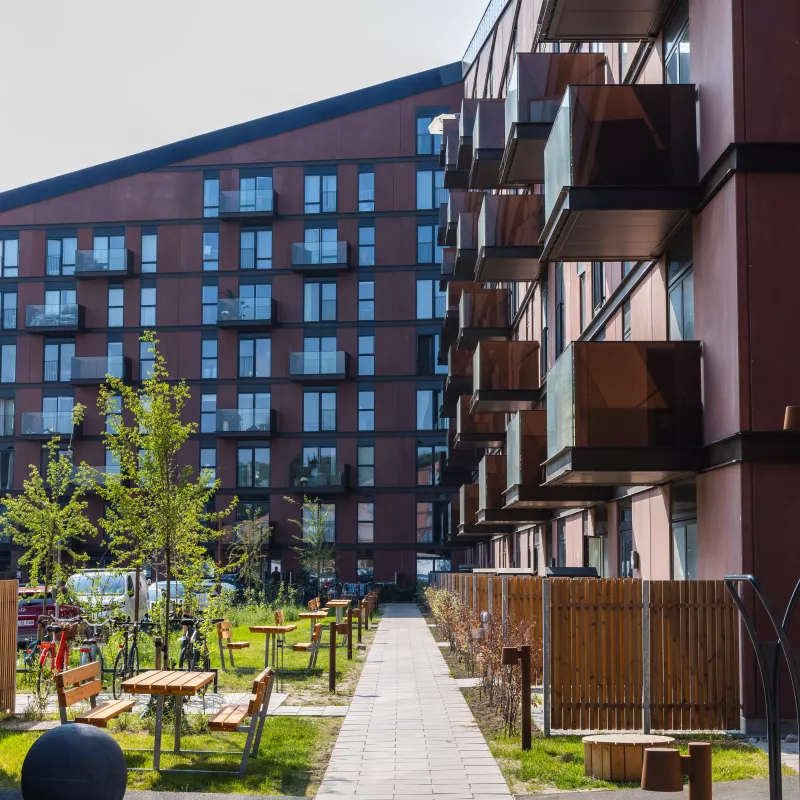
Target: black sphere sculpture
(74, 762)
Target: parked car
(104, 592)
(177, 590)
(29, 609)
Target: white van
(104, 592)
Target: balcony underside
(454, 387)
(469, 337)
(514, 264)
(456, 178)
(615, 224)
(246, 324)
(504, 401)
(512, 516)
(481, 440)
(474, 534)
(485, 170)
(320, 269)
(601, 21)
(127, 272)
(326, 377)
(451, 234)
(248, 216)
(253, 433)
(448, 336)
(464, 160)
(621, 466)
(529, 496)
(523, 158)
(323, 489)
(464, 264)
(455, 475)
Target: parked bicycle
(90, 649)
(193, 645)
(54, 653)
(126, 662)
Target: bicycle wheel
(186, 660)
(133, 662)
(119, 675)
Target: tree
(48, 518)
(157, 507)
(314, 552)
(250, 537)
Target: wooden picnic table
(338, 606)
(273, 631)
(167, 683)
(313, 616)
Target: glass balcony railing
(468, 504)
(453, 293)
(483, 309)
(479, 430)
(491, 482)
(526, 448)
(103, 262)
(439, 306)
(313, 364)
(96, 368)
(244, 420)
(466, 244)
(489, 130)
(64, 315)
(317, 477)
(511, 221)
(466, 119)
(248, 202)
(240, 309)
(450, 142)
(44, 423)
(312, 254)
(506, 366)
(106, 474)
(448, 260)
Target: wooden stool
(618, 756)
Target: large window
(8, 307)
(366, 300)
(676, 48)
(428, 463)
(61, 254)
(625, 539)
(428, 404)
(319, 355)
(147, 311)
(208, 413)
(319, 301)
(208, 462)
(57, 413)
(116, 306)
(320, 194)
(210, 251)
(252, 467)
(255, 357)
(319, 410)
(427, 143)
(598, 285)
(211, 197)
(321, 246)
(366, 465)
(366, 355)
(561, 543)
(366, 410)
(8, 363)
(255, 300)
(430, 189)
(146, 360)
(426, 243)
(366, 521)
(255, 193)
(427, 355)
(431, 521)
(366, 246)
(582, 301)
(7, 468)
(684, 530)
(255, 249)
(9, 258)
(253, 410)
(208, 350)
(7, 416)
(430, 300)
(322, 518)
(366, 189)
(680, 276)
(149, 252)
(209, 297)
(58, 361)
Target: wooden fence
(8, 644)
(622, 654)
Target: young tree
(48, 518)
(314, 552)
(250, 537)
(156, 505)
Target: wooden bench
(312, 647)
(231, 719)
(618, 756)
(224, 634)
(313, 604)
(84, 683)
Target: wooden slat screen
(8, 644)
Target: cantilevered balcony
(601, 20)
(488, 142)
(456, 205)
(453, 292)
(245, 423)
(458, 380)
(322, 478)
(95, 369)
(483, 315)
(45, 424)
(114, 263)
(320, 258)
(54, 317)
(526, 450)
(468, 528)
(456, 466)
(448, 268)
(624, 413)
(538, 83)
(466, 253)
(319, 367)
(454, 178)
(441, 232)
(620, 172)
(491, 503)
(478, 430)
(509, 227)
(466, 126)
(256, 205)
(505, 377)
(251, 313)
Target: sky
(85, 81)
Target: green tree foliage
(314, 552)
(245, 554)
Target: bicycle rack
(768, 657)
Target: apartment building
(290, 268)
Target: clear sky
(85, 81)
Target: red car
(29, 609)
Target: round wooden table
(618, 756)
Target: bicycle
(90, 649)
(58, 656)
(193, 646)
(126, 662)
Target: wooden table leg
(178, 708)
(266, 652)
(159, 721)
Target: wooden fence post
(504, 604)
(491, 599)
(475, 608)
(332, 660)
(546, 654)
(365, 613)
(360, 615)
(646, 657)
(349, 633)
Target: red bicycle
(52, 651)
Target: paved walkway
(409, 732)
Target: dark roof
(242, 133)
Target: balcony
(468, 528)
(454, 178)
(491, 486)
(488, 142)
(453, 292)
(538, 83)
(466, 126)
(478, 430)
(505, 377)
(620, 172)
(624, 413)
(245, 423)
(45, 424)
(441, 232)
(101, 476)
(509, 227)
(57, 317)
(319, 367)
(526, 449)
(247, 313)
(448, 268)
(320, 258)
(325, 478)
(458, 380)
(483, 316)
(257, 205)
(466, 246)
(114, 263)
(601, 21)
(456, 205)
(455, 466)
(94, 369)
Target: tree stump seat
(618, 756)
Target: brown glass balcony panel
(458, 380)
(441, 233)
(624, 413)
(509, 227)
(454, 177)
(478, 430)
(483, 315)
(538, 83)
(456, 205)
(620, 172)
(448, 268)
(505, 377)
(488, 142)
(601, 20)
(466, 246)
(468, 527)
(466, 126)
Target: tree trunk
(136, 594)
(168, 569)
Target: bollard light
(663, 768)
(508, 657)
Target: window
(676, 48)
(114, 359)
(58, 360)
(208, 413)
(598, 285)
(208, 358)
(427, 143)
(366, 355)
(561, 542)
(7, 468)
(255, 249)
(366, 410)
(61, 254)
(366, 521)
(149, 252)
(255, 357)
(255, 301)
(325, 520)
(109, 252)
(8, 363)
(319, 410)
(366, 465)
(684, 530)
(116, 306)
(9, 258)
(113, 413)
(366, 189)
(427, 355)
(7, 416)
(430, 300)
(431, 522)
(147, 313)
(428, 463)
(428, 403)
(208, 462)
(582, 300)
(209, 299)
(146, 360)
(366, 246)
(625, 540)
(626, 321)
(319, 302)
(252, 467)
(365, 567)
(211, 197)
(57, 414)
(60, 301)
(8, 306)
(430, 189)
(210, 251)
(680, 278)
(428, 252)
(560, 321)
(255, 193)
(366, 300)
(253, 410)
(321, 246)
(320, 194)
(627, 266)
